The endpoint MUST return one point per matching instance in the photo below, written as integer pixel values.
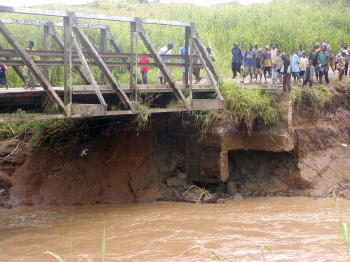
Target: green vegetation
(247, 106)
(316, 97)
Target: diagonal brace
(91, 76)
(101, 64)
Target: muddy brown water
(295, 229)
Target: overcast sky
(74, 2)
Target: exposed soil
(156, 164)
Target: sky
(75, 2)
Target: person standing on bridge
(3, 81)
(323, 64)
(286, 73)
(249, 64)
(294, 64)
(166, 50)
(340, 61)
(237, 58)
(144, 69)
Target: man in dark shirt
(286, 73)
(236, 59)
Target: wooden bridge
(77, 54)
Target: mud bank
(305, 155)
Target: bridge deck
(105, 89)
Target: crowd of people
(305, 67)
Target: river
(294, 229)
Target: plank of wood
(101, 64)
(31, 11)
(58, 54)
(32, 67)
(43, 23)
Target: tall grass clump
(249, 107)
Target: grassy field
(289, 23)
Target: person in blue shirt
(249, 63)
(237, 58)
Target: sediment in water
(304, 155)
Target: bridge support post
(46, 47)
(188, 60)
(67, 57)
(133, 61)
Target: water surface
(295, 229)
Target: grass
(249, 107)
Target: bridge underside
(18, 104)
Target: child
(144, 69)
(258, 65)
(3, 81)
(309, 74)
(274, 75)
(303, 64)
(340, 61)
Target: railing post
(46, 47)
(188, 59)
(133, 70)
(67, 23)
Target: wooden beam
(133, 74)
(101, 64)
(30, 11)
(86, 65)
(204, 53)
(209, 73)
(17, 69)
(162, 67)
(46, 46)
(67, 49)
(59, 42)
(77, 63)
(59, 54)
(42, 23)
(32, 67)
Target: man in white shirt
(166, 50)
